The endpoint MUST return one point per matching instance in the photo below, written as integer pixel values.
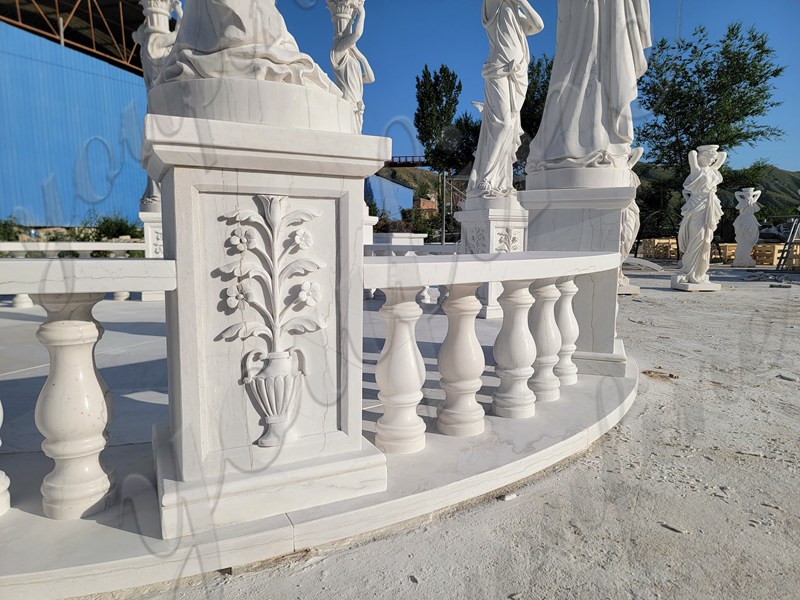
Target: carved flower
(302, 239)
(242, 238)
(310, 293)
(239, 296)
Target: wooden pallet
(660, 248)
(727, 253)
(793, 259)
(767, 254)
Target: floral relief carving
(273, 252)
(476, 241)
(508, 240)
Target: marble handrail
(533, 351)
(422, 249)
(74, 407)
(83, 249)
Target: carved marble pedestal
(585, 219)
(491, 226)
(265, 327)
(153, 241)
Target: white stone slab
(84, 275)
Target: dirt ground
(694, 495)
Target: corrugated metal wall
(70, 133)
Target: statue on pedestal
(587, 119)
(746, 226)
(350, 66)
(701, 214)
(156, 41)
(508, 24)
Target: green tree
(701, 92)
(457, 146)
(532, 110)
(369, 198)
(437, 103)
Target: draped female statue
(746, 226)
(587, 120)
(508, 24)
(350, 66)
(701, 214)
(239, 39)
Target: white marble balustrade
(533, 351)
(74, 407)
(82, 249)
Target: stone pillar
(491, 226)
(585, 219)
(263, 214)
(150, 216)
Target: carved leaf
(303, 266)
(296, 217)
(246, 330)
(300, 325)
(244, 216)
(247, 270)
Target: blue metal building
(70, 133)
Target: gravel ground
(694, 495)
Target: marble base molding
(694, 287)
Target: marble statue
(587, 119)
(350, 67)
(508, 24)
(156, 41)
(701, 214)
(240, 39)
(746, 226)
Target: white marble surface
(121, 547)
(83, 275)
(407, 271)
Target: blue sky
(403, 36)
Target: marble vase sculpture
(701, 214)
(631, 223)
(746, 227)
(350, 67)
(262, 172)
(491, 218)
(580, 186)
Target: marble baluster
(544, 383)
(461, 365)
(120, 296)
(72, 411)
(21, 300)
(514, 353)
(567, 325)
(400, 374)
(5, 482)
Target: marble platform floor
(121, 547)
